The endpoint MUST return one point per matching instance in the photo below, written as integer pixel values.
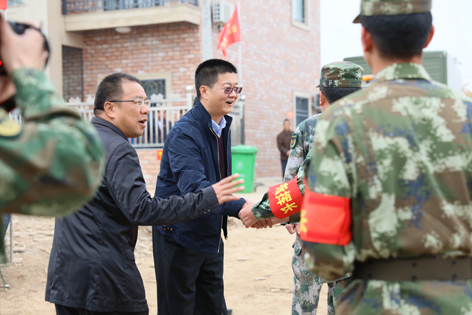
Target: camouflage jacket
(401, 150)
(302, 141)
(52, 163)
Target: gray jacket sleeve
(126, 184)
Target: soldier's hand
(294, 229)
(246, 215)
(263, 224)
(21, 51)
(226, 187)
(291, 228)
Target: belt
(415, 269)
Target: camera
(20, 29)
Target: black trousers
(64, 310)
(284, 166)
(188, 282)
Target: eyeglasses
(229, 90)
(139, 102)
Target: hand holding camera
(22, 45)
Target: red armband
(285, 199)
(325, 219)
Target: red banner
(231, 33)
(325, 219)
(3, 4)
(285, 199)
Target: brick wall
(150, 167)
(148, 49)
(72, 80)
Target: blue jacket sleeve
(188, 169)
(232, 208)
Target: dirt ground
(258, 275)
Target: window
(12, 3)
(300, 13)
(72, 75)
(157, 86)
(302, 108)
(299, 10)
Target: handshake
(250, 221)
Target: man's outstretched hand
(226, 187)
(246, 215)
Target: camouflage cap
(393, 7)
(341, 74)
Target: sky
(340, 38)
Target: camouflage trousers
(307, 286)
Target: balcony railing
(83, 6)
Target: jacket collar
(406, 71)
(97, 121)
(202, 115)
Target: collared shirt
(218, 127)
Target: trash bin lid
(243, 149)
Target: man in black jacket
(92, 268)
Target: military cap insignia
(293, 142)
(9, 128)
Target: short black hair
(207, 72)
(286, 119)
(111, 89)
(399, 36)
(334, 94)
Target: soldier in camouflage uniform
(342, 78)
(52, 164)
(394, 165)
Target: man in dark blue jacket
(197, 153)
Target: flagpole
(240, 44)
(241, 100)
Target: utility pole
(207, 42)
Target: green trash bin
(244, 163)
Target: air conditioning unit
(222, 12)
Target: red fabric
(3, 4)
(325, 219)
(231, 32)
(285, 199)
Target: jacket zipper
(218, 156)
(227, 172)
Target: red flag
(3, 4)
(231, 33)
